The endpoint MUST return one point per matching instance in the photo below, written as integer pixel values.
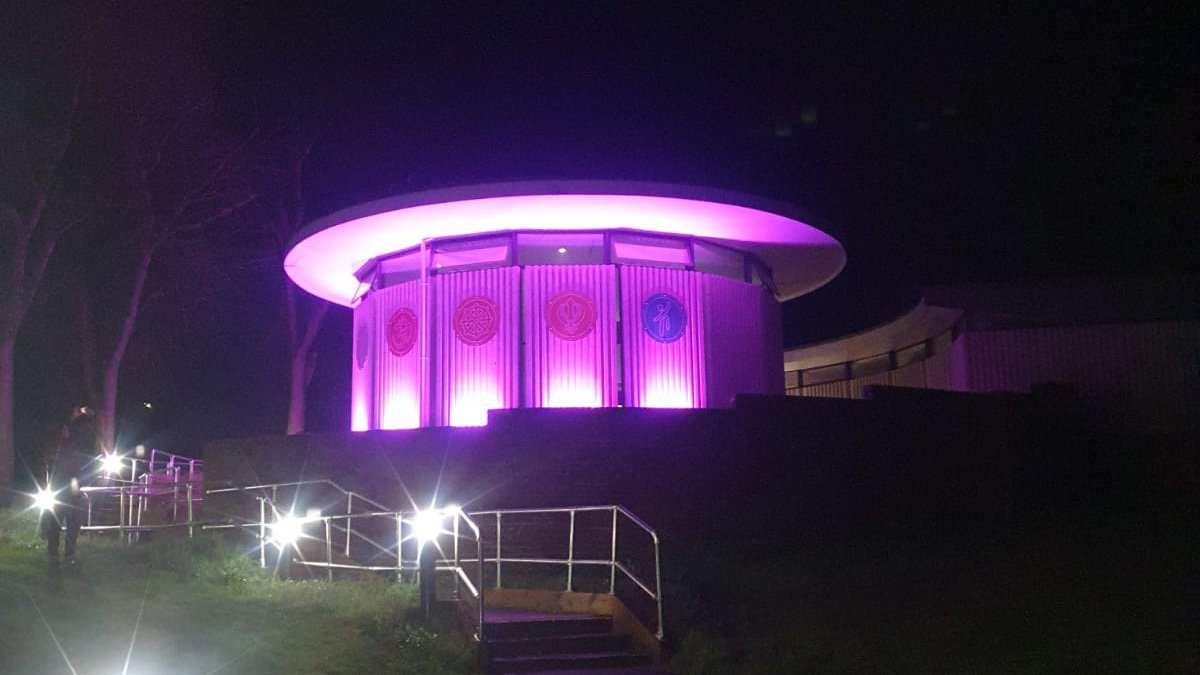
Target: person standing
(65, 464)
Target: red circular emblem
(476, 320)
(571, 315)
(402, 332)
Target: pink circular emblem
(402, 332)
(571, 315)
(476, 320)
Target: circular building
(562, 294)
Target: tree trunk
(106, 407)
(303, 361)
(296, 394)
(7, 443)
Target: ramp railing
(613, 561)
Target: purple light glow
(324, 262)
(570, 373)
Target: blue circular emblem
(663, 317)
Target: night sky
(940, 144)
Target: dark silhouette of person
(65, 465)
(427, 562)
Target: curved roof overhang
(325, 255)
(920, 323)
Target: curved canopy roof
(325, 255)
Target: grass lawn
(204, 609)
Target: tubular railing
(453, 563)
(351, 498)
(132, 499)
(613, 562)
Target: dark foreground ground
(1112, 593)
(1100, 593)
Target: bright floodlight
(428, 525)
(110, 463)
(287, 530)
(44, 499)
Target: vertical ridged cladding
(662, 375)
(470, 379)
(397, 378)
(1143, 373)
(570, 373)
(838, 389)
(362, 388)
(742, 346)
(912, 375)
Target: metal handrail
(613, 563)
(326, 481)
(401, 517)
(127, 524)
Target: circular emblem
(570, 315)
(362, 345)
(402, 332)
(476, 320)
(663, 317)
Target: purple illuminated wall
(545, 336)
(573, 366)
(398, 360)
(474, 378)
(662, 374)
(362, 365)
(743, 350)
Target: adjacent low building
(1129, 347)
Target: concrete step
(509, 624)
(524, 641)
(568, 662)
(631, 670)
(559, 644)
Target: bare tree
(283, 201)
(177, 180)
(39, 102)
(172, 171)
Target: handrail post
(399, 547)
(658, 586)
(571, 553)
(329, 548)
(612, 559)
(479, 579)
(349, 508)
(457, 561)
(262, 533)
(498, 556)
(191, 527)
(121, 510)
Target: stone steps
(520, 641)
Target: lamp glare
(428, 525)
(110, 463)
(44, 500)
(287, 530)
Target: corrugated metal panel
(570, 373)
(938, 365)
(474, 378)
(1145, 373)
(738, 358)
(398, 377)
(657, 374)
(857, 384)
(362, 365)
(912, 375)
(839, 389)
